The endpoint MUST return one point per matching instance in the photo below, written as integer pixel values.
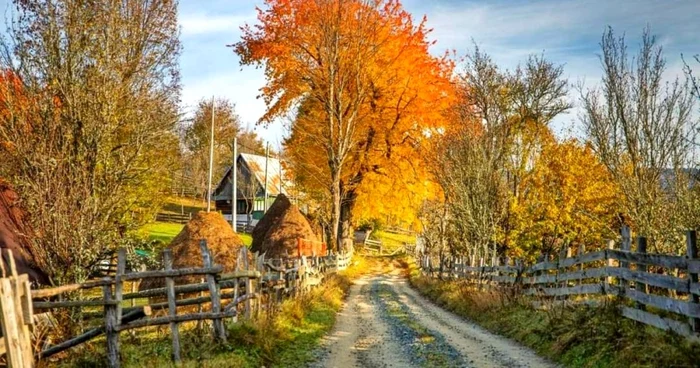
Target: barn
(253, 172)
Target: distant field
(392, 241)
(178, 205)
(165, 232)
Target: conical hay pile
(315, 225)
(15, 235)
(271, 217)
(281, 238)
(222, 242)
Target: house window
(241, 207)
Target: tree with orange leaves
(366, 89)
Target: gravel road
(385, 323)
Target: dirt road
(385, 323)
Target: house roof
(275, 172)
(256, 166)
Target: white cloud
(567, 32)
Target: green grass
(247, 238)
(166, 232)
(162, 231)
(393, 241)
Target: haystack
(282, 226)
(15, 235)
(271, 217)
(222, 242)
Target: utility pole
(211, 155)
(234, 182)
(279, 156)
(267, 154)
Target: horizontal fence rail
(656, 289)
(256, 283)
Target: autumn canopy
(364, 92)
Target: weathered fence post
(110, 310)
(118, 283)
(691, 239)
(219, 331)
(10, 328)
(23, 312)
(640, 286)
(581, 252)
(200, 306)
(248, 285)
(563, 255)
(608, 265)
(625, 245)
(172, 308)
(236, 294)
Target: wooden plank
(27, 309)
(693, 266)
(207, 261)
(248, 284)
(255, 274)
(562, 291)
(89, 335)
(588, 273)
(190, 271)
(691, 241)
(609, 263)
(119, 283)
(172, 308)
(22, 328)
(544, 266)
(179, 318)
(658, 260)
(652, 279)
(180, 289)
(10, 327)
(73, 304)
(641, 269)
(664, 303)
(503, 279)
(111, 329)
(46, 293)
(651, 319)
(583, 258)
(24, 334)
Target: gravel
(385, 323)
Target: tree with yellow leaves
(569, 197)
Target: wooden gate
(15, 316)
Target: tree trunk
(346, 230)
(335, 209)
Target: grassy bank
(286, 338)
(583, 336)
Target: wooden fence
(175, 218)
(218, 297)
(656, 289)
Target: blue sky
(567, 32)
